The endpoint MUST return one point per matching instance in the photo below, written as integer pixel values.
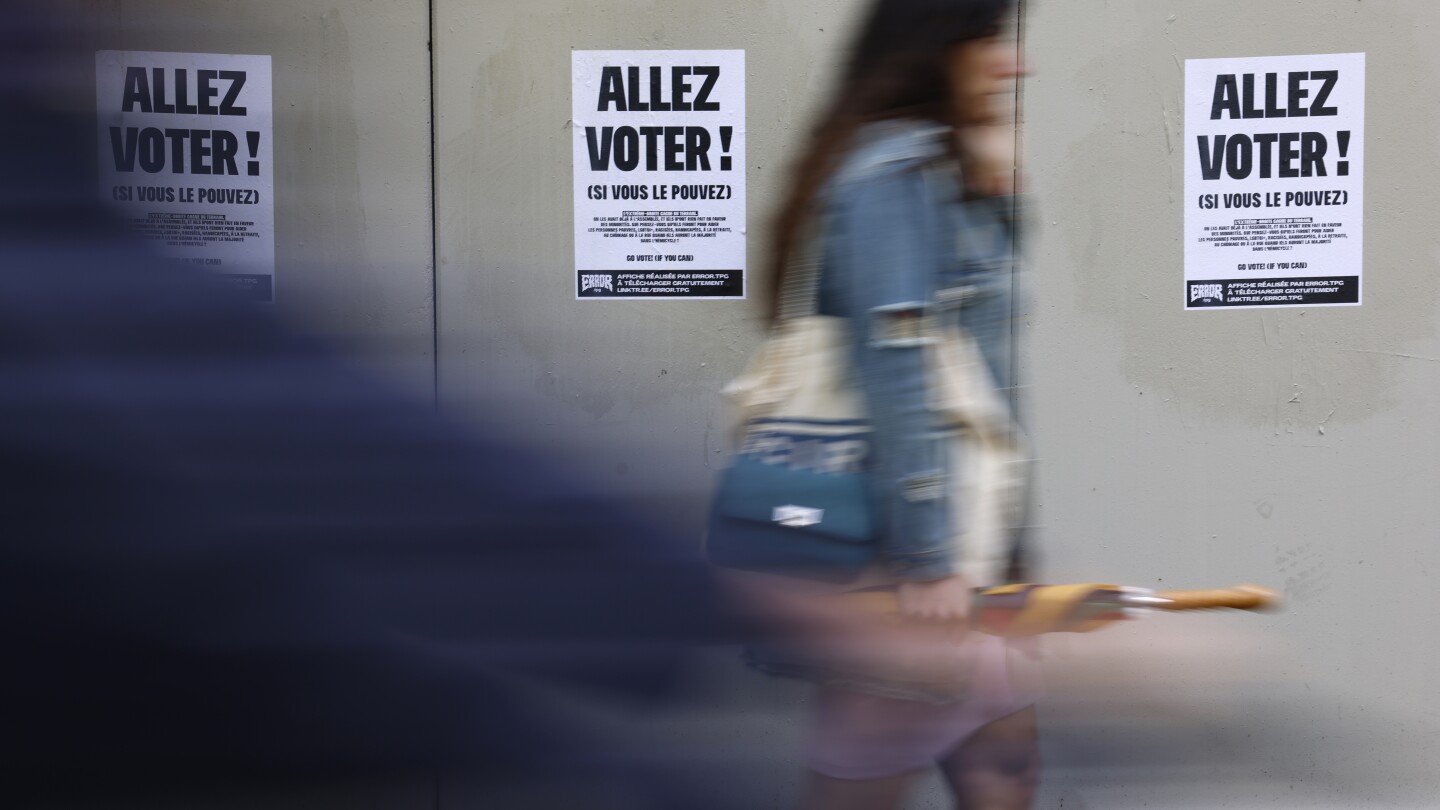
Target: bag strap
(782, 353)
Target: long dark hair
(898, 68)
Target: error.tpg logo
(1201, 292)
(597, 281)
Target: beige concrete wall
(632, 383)
(1291, 447)
(1295, 448)
(352, 151)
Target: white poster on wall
(1274, 181)
(185, 153)
(659, 162)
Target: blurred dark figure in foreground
(229, 553)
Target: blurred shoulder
(886, 147)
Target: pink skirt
(860, 735)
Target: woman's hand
(943, 600)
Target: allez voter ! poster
(185, 155)
(659, 161)
(1274, 181)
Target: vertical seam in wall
(434, 213)
(1022, 551)
(1017, 301)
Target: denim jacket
(902, 253)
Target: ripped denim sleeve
(889, 260)
(909, 456)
